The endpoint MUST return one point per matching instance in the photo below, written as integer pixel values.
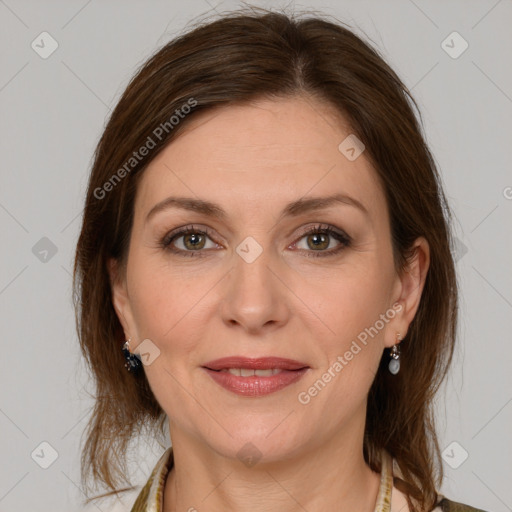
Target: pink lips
(288, 371)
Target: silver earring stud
(394, 364)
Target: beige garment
(398, 500)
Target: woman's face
(256, 285)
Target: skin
(252, 160)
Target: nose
(256, 296)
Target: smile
(247, 372)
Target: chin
(257, 445)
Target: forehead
(269, 151)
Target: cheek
(352, 300)
(168, 308)
(164, 312)
(154, 306)
(357, 314)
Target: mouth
(255, 377)
(248, 372)
(260, 363)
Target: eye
(317, 239)
(192, 241)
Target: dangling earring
(394, 364)
(133, 362)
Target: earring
(133, 362)
(394, 364)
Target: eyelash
(344, 239)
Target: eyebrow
(293, 209)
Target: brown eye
(318, 241)
(193, 241)
(188, 242)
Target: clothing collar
(150, 498)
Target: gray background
(52, 114)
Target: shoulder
(446, 505)
(399, 502)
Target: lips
(255, 377)
(262, 363)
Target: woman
(266, 246)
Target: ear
(407, 291)
(120, 298)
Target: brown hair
(243, 56)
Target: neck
(332, 476)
